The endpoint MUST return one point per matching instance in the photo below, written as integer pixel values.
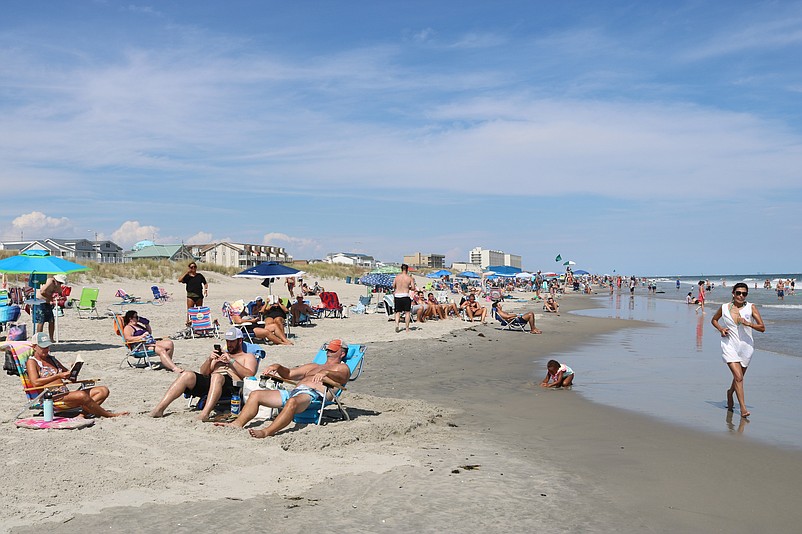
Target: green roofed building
(161, 252)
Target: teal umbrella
(38, 262)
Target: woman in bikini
(137, 329)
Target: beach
(450, 432)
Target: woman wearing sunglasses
(735, 322)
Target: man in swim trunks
(49, 293)
(217, 376)
(403, 285)
(311, 380)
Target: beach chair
(202, 323)
(354, 359)
(160, 295)
(516, 324)
(330, 305)
(137, 354)
(20, 351)
(389, 306)
(362, 306)
(231, 311)
(88, 302)
(260, 355)
(126, 298)
(306, 319)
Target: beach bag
(9, 366)
(17, 332)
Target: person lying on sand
(309, 386)
(217, 375)
(529, 317)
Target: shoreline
(471, 398)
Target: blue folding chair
(354, 359)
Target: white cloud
(131, 232)
(38, 223)
(274, 237)
(199, 239)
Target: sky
(641, 137)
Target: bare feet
(730, 403)
(156, 413)
(258, 433)
(745, 413)
(536, 331)
(229, 425)
(120, 414)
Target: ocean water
(672, 370)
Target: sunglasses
(740, 293)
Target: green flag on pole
(558, 258)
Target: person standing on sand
(291, 286)
(197, 286)
(49, 293)
(739, 318)
(701, 297)
(403, 286)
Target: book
(76, 368)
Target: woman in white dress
(735, 321)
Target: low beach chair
(354, 359)
(330, 305)
(20, 351)
(517, 324)
(126, 298)
(231, 311)
(138, 352)
(88, 301)
(202, 323)
(160, 295)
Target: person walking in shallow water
(701, 297)
(735, 322)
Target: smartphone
(218, 349)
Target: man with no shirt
(403, 285)
(311, 380)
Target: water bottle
(235, 404)
(47, 405)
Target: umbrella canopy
(383, 280)
(580, 272)
(524, 275)
(269, 269)
(550, 275)
(439, 274)
(503, 270)
(569, 262)
(467, 274)
(39, 261)
(388, 269)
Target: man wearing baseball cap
(49, 293)
(311, 380)
(217, 376)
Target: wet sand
(545, 460)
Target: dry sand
(431, 404)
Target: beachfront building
(239, 255)
(486, 257)
(161, 252)
(435, 261)
(71, 249)
(351, 258)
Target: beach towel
(58, 423)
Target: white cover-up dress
(738, 345)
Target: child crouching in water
(558, 375)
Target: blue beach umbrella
(382, 280)
(39, 262)
(468, 274)
(580, 272)
(439, 274)
(269, 269)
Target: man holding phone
(217, 375)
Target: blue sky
(645, 137)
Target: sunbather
(300, 307)
(217, 375)
(310, 385)
(474, 309)
(44, 369)
(138, 329)
(444, 309)
(551, 306)
(528, 317)
(275, 313)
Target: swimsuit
(738, 345)
(45, 371)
